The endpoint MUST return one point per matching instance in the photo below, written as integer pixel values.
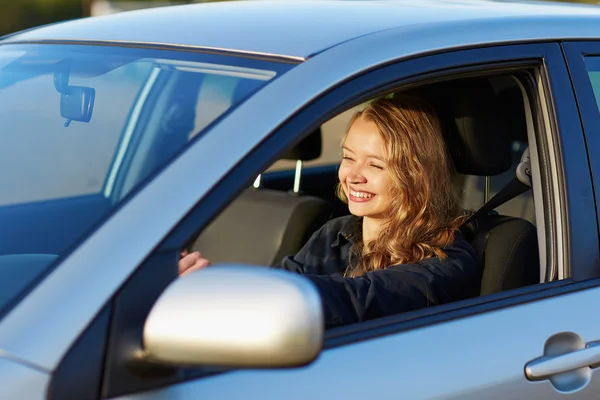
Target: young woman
(400, 249)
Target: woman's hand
(191, 262)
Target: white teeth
(361, 194)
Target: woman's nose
(356, 175)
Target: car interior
(491, 141)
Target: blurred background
(16, 15)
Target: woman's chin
(358, 211)
(361, 212)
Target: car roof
(294, 29)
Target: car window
(275, 202)
(332, 133)
(84, 126)
(34, 130)
(593, 66)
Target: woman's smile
(359, 196)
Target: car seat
(261, 226)
(479, 144)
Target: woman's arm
(400, 288)
(322, 253)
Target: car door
(533, 342)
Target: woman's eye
(376, 166)
(347, 158)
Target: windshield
(82, 127)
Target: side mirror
(237, 317)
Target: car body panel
(302, 29)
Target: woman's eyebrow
(368, 155)
(377, 158)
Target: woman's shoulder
(460, 250)
(459, 243)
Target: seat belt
(508, 192)
(520, 184)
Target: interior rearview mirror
(77, 103)
(237, 317)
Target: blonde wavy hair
(427, 212)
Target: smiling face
(396, 174)
(364, 175)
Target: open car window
(295, 197)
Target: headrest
(307, 149)
(474, 125)
(479, 143)
(524, 168)
(511, 101)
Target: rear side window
(593, 67)
(332, 133)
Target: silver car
(215, 127)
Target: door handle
(544, 367)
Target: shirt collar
(349, 231)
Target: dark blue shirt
(396, 289)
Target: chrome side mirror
(236, 316)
